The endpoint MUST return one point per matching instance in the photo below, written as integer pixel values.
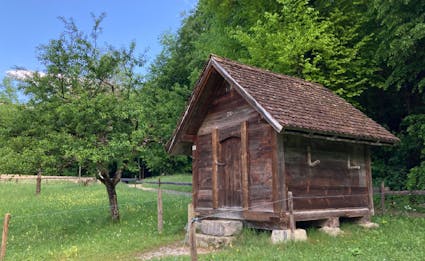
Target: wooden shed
(254, 135)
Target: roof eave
(341, 137)
(171, 144)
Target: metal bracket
(311, 164)
(220, 163)
(351, 166)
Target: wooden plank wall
(322, 186)
(230, 115)
(260, 136)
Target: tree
(84, 103)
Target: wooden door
(229, 178)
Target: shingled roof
(292, 104)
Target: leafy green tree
(83, 106)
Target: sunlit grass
(69, 221)
(397, 238)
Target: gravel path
(170, 250)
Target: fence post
(291, 214)
(38, 183)
(192, 241)
(160, 223)
(4, 236)
(383, 197)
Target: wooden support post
(190, 214)
(194, 175)
(38, 183)
(4, 236)
(215, 145)
(245, 165)
(79, 171)
(192, 241)
(368, 173)
(160, 223)
(383, 197)
(291, 214)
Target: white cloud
(22, 74)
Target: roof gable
(286, 103)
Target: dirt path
(170, 250)
(167, 191)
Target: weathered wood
(159, 204)
(38, 183)
(275, 174)
(245, 165)
(369, 179)
(229, 173)
(4, 236)
(331, 177)
(188, 138)
(291, 213)
(281, 172)
(327, 213)
(383, 197)
(190, 213)
(215, 145)
(192, 240)
(195, 175)
(222, 120)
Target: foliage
(68, 222)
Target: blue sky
(25, 24)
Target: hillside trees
(83, 106)
(369, 52)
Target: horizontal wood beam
(188, 138)
(327, 213)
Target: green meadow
(71, 222)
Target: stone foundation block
(221, 228)
(368, 225)
(332, 231)
(279, 236)
(208, 241)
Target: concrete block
(208, 241)
(221, 228)
(332, 231)
(284, 235)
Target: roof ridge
(258, 69)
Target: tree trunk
(113, 202)
(110, 184)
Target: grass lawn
(171, 178)
(397, 238)
(71, 222)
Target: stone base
(221, 228)
(368, 225)
(208, 241)
(279, 236)
(332, 231)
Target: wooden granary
(254, 135)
